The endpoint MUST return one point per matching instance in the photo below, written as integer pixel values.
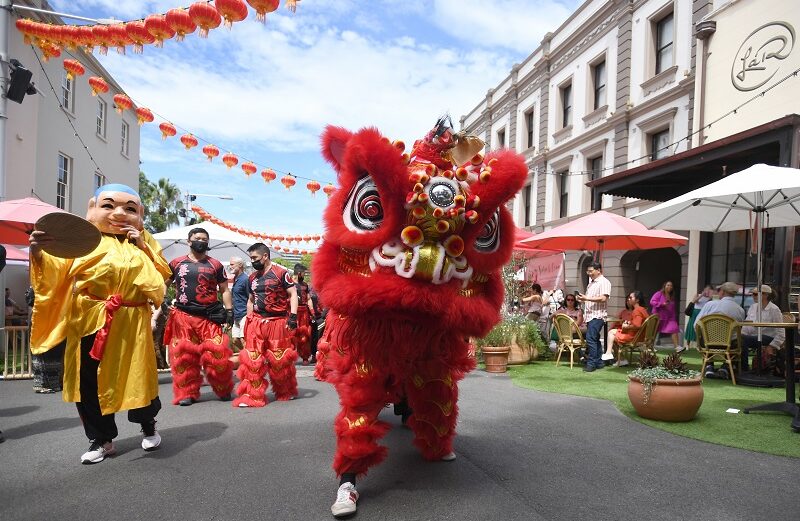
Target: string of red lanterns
(151, 30)
(270, 239)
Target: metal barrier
(17, 353)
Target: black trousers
(102, 427)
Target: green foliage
(162, 202)
(515, 328)
(672, 368)
(500, 335)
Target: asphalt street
(522, 455)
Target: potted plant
(666, 392)
(527, 342)
(496, 346)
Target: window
(599, 83)
(101, 118)
(99, 180)
(501, 138)
(66, 93)
(566, 105)
(62, 181)
(595, 172)
(526, 203)
(664, 48)
(563, 195)
(126, 129)
(529, 128)
(659, 145)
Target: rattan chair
(566, 329)
(644, 340)
(715, 333)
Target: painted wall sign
(761, 55)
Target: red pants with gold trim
(196, 342)
(429, 381)
(322, 371)
(302, 335)
(268, 349)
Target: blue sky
(266, 92)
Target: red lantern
(50, 50)
(179, 21)
(26, 27)
(86, 37)
(189, 141)
(211, 152)
(313, 186)
(231, 10)
(156, 25)
(98, 85)
(262, 7)
(249, 168)
(122, 102)
(71, 36)
(329, 189)
(144, 115)
(205, 16)
(139, 34)
(288, 181)
(73, 68)
(167, 130)
(268, 174)
(118, 37)
(230, 160)
(102, 37)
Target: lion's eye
(489, 239)
(364, 211)
(442, 194)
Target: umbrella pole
(759, 259)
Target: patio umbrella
(18, 216)
(223, 243)
(16, 256)
(601, 231)
(758, 197)
(528, 250)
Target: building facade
(611, 89)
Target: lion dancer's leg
(302, 335)
(432, 392)
(281, 357)
(184, 358)
(216, 360)
(252, 390)
(323, 370)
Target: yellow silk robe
(127, 377)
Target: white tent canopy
(224, 243)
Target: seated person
(771, 337)
(572, 310)
(726, 305)
(628, 329)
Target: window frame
(528, 116)
(63, 178)
(594, 174)
(659, 47)
(596, 104)
(67, 93)
(653, 148)
(527, 193)
(501, 138)
(565, 94)
(563, 194)
(101, 118)
(102, 180)
(125, 138)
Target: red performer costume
(268, 333)
(194, 331)
(305, 311)
(410, 269)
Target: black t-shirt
(196, 281)
(268, 288)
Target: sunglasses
(570, 300)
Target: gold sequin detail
(360, 421)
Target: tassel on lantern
(291, 5)
(262, 7)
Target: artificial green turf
(768, 432)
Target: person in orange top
(629, 328)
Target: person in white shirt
(595, 314)
(771, 337)
(726, 305)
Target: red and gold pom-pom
(471, 216)
(411, 236)
(442, 226)
(454, 245)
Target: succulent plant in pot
(668, 391)
(496, 346)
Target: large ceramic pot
(669, 400)
(495, 358)
(519, 355)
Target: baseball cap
(764, 289)
(730, 288)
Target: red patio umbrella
(15, 254)
(601, 231)
(18, 216)
(530, 251)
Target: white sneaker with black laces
(346, 498)
(98, 452)
(151, 439)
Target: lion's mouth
(428, 261)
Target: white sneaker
(151, 442)
(98, 452)
(346, 498)
(450, 456)
(680, 349)
(607, 356)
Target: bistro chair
(570, 337)
(643, 341)
(716, 334)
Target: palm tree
(162, 201)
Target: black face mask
(300, 277)
(199, 246)
(257, 265)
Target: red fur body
(302, 335)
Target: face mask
(199, 246)
(300, 277)
(257, 265)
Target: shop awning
(770, 143)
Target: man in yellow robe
(101, 304)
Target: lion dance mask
(410, 270)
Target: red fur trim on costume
(185, 369)
(357, 449)
(218, 367)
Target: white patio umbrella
(758, 197)
(224, 243)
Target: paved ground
(521, 455)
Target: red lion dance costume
(410, 269)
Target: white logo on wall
(761, 55)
